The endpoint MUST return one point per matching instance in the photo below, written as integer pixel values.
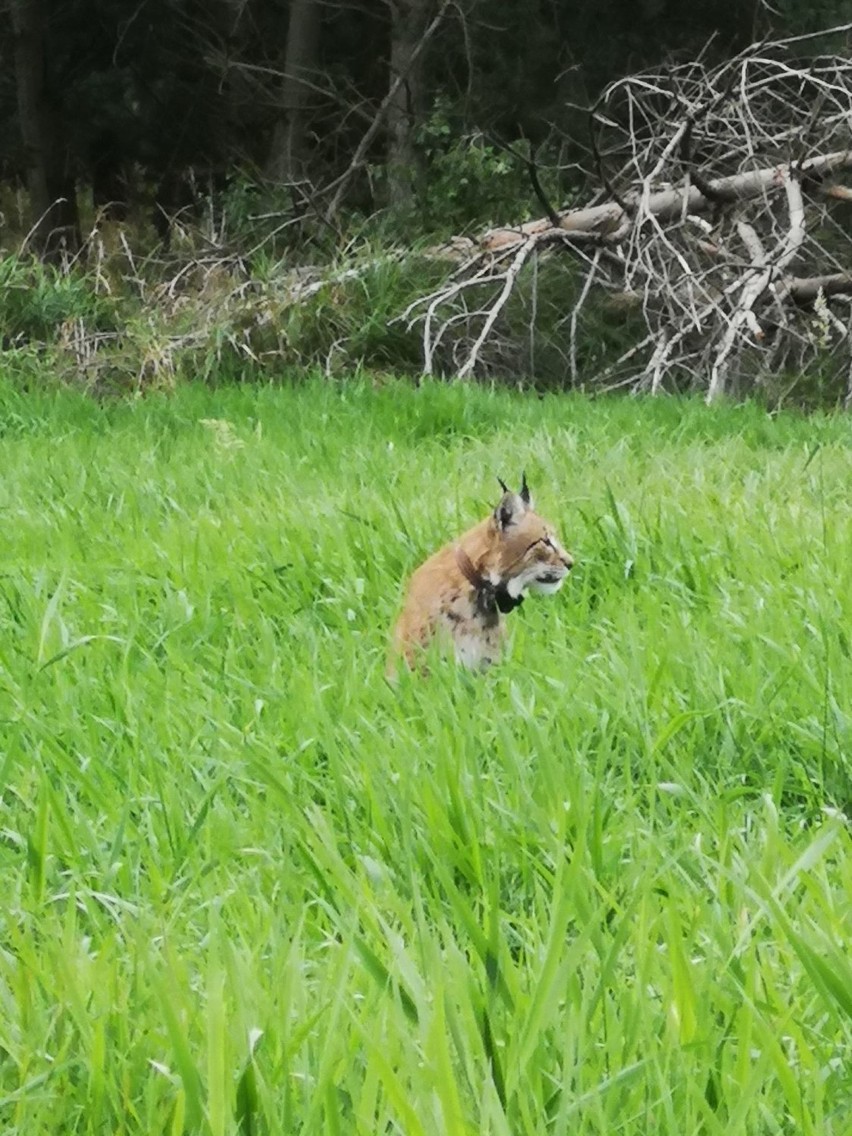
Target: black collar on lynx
(490, 598)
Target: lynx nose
(568, 561)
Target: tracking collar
(490, 598)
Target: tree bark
(52, 194)
(288, 157)
(405, 108)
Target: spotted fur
(464, 590)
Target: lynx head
(525, 552)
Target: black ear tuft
(503, 485)
(525, 489)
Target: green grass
(248, 887)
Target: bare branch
(511, 276)
(721, 222)
(590, 276)
(341, 184)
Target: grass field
(247, 886)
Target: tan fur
(513, 549)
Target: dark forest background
(126, 102)
(277, 125)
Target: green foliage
(211, 320)
(264, 222)
(249, 887)
(353, 320)
(124, 325)
(39, 302)
(470, 181)
(467, 180)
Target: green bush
(472, 182)
(38, 300)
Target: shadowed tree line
(340, 104)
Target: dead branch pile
(722, 216)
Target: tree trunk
(288, 159)
(53, 199)
(405, 108)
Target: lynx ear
(510, 510)
(524, 494)
(525, 490)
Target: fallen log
(671, 203)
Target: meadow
(248, 886)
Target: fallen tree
(721, 217)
